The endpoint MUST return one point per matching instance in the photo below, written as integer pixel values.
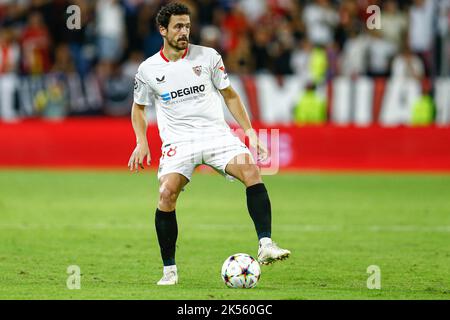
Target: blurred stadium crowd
(314, 40)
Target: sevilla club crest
(197, 70)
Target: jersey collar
(167, 60)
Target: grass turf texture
(336, 225)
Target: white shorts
(216, 152)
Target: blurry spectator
(294, 16)
(421, 16)
(394, 23)
(349, 21)
(117, 93)
(318, 64)
(240, 60)
(9, 62)
(9, 51)
(210, 36)
(320, 20)
(53, 15)
(272, 18)
(254, 9)
(354, 55)
(281, 49)
(35, 46)
(252, 35)
(310, 63)
(408, 65)
(14, 11)
(130, 67)
(148, 35)
(311, 108)
(52, 101)
(110, 30)
(63, 60)
(443, 50)
(281, 57)
(380, 54)
(132, 8)
(300, 60)
(260, 46)
(81, 41)
(423, 110)
(207, 12)
(234, 24)
(331, 60)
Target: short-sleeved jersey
(185, 93)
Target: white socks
(168, 269)
(264, 241)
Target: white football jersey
(184, 93)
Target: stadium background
(295, 63)
(344, 97)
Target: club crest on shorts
(172, 152)
(197, 70)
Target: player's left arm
(235, 105)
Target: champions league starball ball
(241, 271)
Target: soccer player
(185, 82)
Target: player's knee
(167, 197)
(251, 175)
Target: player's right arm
(142, 150)
(141, 97)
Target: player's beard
(178, 44)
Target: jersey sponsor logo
(183, 92)
(136, 84)
(197, 70)
(162, 80)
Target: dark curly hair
(171, 9)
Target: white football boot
(170, 276)
(269, 252)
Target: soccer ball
(241, 271)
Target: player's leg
(170, 186)
(244, 169)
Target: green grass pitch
(336, 225)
